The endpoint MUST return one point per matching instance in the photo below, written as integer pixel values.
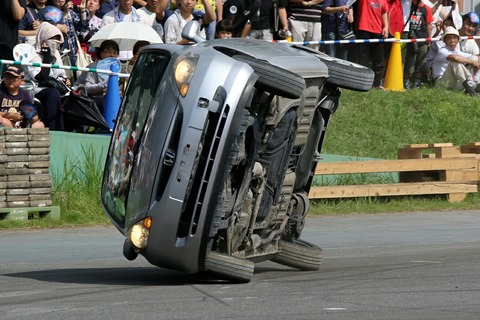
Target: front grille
(195, 197)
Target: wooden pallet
(432, 150)
(23, 214)
(424, 169)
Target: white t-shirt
(440, 62)
(150, 19)
(469, 46)
(406, 9)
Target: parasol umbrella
(126, 34)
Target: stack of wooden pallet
(424, 169)
(25, 180)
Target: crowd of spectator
(448, 62)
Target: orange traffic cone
(394, 75)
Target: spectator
(217, 7)
(94, 23)
(436, 45)
(337, 20)
(239, 12)
(420, 25)
(124, 12)
(106, 6)
(224, 29)
(11, 11)
(177, 21)
(48, 40)
(139, 3)
(29, 24)
(396, 24)
(440, 12)
(94, 85)
(11, 97)
(73, 23)
(136, 52)
(395, 17)
(450, 65)
(470, 23)
(305, 19)
(372, 23)
(264, 24)
(153, 14)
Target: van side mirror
(190, 31)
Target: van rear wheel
(274, 79)
(348, 75)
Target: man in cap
(450, 65)
(12, 96)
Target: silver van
(214, 151)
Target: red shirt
(369, 15)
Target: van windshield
(127, 136)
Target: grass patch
(391, 204)
(77, 192)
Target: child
(224, 29)
(11, 97)
(177, 21)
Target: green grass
(377, 123)
(77, 192)
(373, 124)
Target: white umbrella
(126, 34)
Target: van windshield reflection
(126, 138)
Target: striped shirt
(297, 11)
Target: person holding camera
(420, 26)
(337, 23)
(49, 81)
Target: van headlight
(184, 70)
(138, 234)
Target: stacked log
(25, 179)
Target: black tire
(274, 79)
(230, 268)
(348, 75)
(299, 254)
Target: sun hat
(15, 71)
(450, 30)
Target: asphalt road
(387, 266)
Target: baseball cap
(473, 17)
(15, 71)
(450, 30)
